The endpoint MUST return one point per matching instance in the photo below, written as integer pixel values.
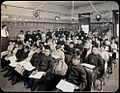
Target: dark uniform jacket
(95, 60)
(34, 37)
(77, 75)
(27, 36)
(45, 63)
(21, 55)
(36, 58)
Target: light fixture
(117, 13)
(36, 14)
(20, 19)
(72, 18)
(98, 17)
(14, 18)
(57, 18)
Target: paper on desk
(19, 68)
(88, 65)
(28, 66)
(12, 58)
(65, 86)
(13, 64)
(13, 61)
(37, 74)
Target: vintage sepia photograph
(59, 46)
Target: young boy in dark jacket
(20, 55)
(35, 61)
(76, 73)
(95, 59)
(44, 64)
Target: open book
(88, 66)
(66, 86)
(13, 61)
(19, 69)
(37, 74)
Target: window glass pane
(85, 28)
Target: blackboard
(101, 26)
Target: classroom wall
(15, 27)
(12, 15)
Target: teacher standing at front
(4, 38)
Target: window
(85, 28)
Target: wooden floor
(111, 85)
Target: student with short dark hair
(53, 45)
(95, 59)
(22, 53)
(35, 61)
(45, 64)
(76, 73)
(19, 42)
(38, 35)
(27, 36)
(34, 36)
(49, 34)
(21, 35)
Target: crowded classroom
(59, 46)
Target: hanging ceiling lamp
(57, 18)
(98, 15)
(36, 13)
(73, 20)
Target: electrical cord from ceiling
(94, 8)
